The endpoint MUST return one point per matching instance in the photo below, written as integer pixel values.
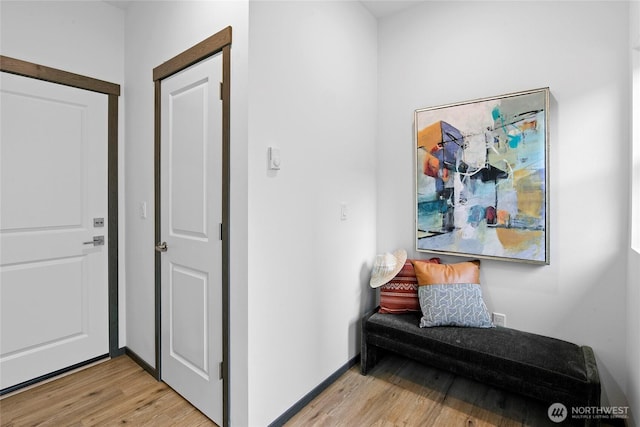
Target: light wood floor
(398, 392)
(116, 392)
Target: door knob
(161, 247)
(97, 241)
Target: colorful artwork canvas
(482, 178)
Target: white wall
(312, 86)
(299, 274)
(442, 52)
(156, 32)
(80, 37)
(633, 291)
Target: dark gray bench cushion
(545, 368)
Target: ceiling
(382, 8)
(378, 8)
(121, 4)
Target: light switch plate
(274, 158)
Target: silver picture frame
(482, 178)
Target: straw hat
(386, 267)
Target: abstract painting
(482, 177)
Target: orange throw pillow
(439, 274)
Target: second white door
(191, 213)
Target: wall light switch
(142, 207)
(344, 212)
(274, 158)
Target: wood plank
(200, 51)
(402, 392)
(112, 201)
(54, 75)
(114, 392)
(397, 392)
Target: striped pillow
(400, 295)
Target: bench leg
(368, 358)
(368, 353)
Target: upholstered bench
(544, 368)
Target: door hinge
(221, 231)
(221, 91)
(221, 370)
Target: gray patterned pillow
(458, 304)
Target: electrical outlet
(500, 319)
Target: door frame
(112, 90)
(219, 42)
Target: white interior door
(191, 213)
(53, 286)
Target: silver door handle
(97, 241)
(162, 247)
